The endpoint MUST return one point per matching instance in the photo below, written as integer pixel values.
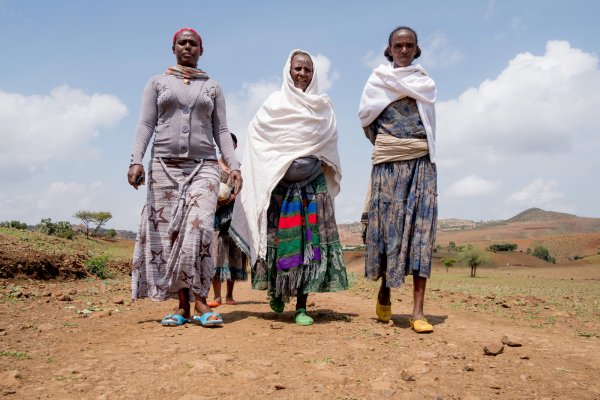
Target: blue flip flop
(205, 321)
(174, 320)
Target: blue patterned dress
(401, 222)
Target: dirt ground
(84, 339)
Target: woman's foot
(178, 318)
(230, 301)
(276, 304)
(383, 308)
(302, 318)
(203, 308)
(216, 302)
(420, 325)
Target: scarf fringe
(287, 284)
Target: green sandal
(277, 304)
(302, 318)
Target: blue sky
(518, 94)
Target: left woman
(185, 110)
(284, 218)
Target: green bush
(503, 247)
(111, 233)
(543, 253)
(13, 224)
(62, 229)
(98, 265)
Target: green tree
(543, 253)
(93, 219)
(101, 218)
(474, 257)
(448, 262)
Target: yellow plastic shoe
(384, 313)
(420, 325)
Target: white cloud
(37, 129)
(471, 186)
(325, 77)
(539, 193)
(537, 105)
(438, 52)
(59, 201)
(372, 60)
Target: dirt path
(49, 350)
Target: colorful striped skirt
(304, 253)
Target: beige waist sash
(389, 149)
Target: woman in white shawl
(284, 219)
(398, 116)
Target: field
(68, 338)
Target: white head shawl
(290, 124)
(388, 84)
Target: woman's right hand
(136, 175)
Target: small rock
(408, 376)
(276, 325)
(311, 304)
(119, 301)
(45, 327)
(468, 367)
(72, 292)
(64, 297)
(47, 294)
(512, 341)
(493, 349)
(525, 357)
(3, 333)
(505, 305)
(279, 387)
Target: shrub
(111, 233)
(97, 265)
(543, 253)
(64, 230)
(13, 224)
(503, 247)
(61, 229)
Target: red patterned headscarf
(187, 29)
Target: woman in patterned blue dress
(398, 116)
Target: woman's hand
(236, 176)
(136, 175)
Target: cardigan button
(185, 109)
(186, 129)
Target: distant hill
(539, 215)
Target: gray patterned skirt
(402, 220)
(173, 245)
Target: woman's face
(403, 48)
(301, 71)
(187, 49)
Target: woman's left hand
(236, 177)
